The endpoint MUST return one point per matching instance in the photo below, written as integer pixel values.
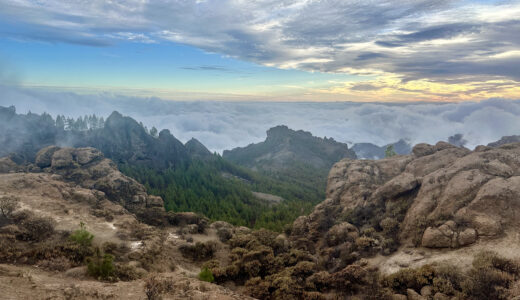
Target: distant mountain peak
(284, 146)
(196, 148)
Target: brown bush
(199, 251)
(410, 279)
(55, 264)
(188, 218)
(36, 228)
(8, 205)
(153, 288)
(126, 272)
(258, 288)
(490, 277)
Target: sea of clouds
(225, 125)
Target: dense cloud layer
(225, 125)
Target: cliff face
(284, 146)
(438, 197)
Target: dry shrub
(155, 287)
(34, 228)
(55, 264)
(8, 204)
(126, 272)
(410, 279)
(490, 277)
(199, 251)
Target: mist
(226, 125)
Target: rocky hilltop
(439, 197)
(284, 147)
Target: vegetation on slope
(187, 177)
(222, 191)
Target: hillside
(45, 254)
(439, 223)
(284, 147)
(188, 177)
(295, 157)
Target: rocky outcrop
(440, 196)
(89, 169)
(197, 149)
(505, 140)
(283, 147)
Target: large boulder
(44, 156)
(434, 238)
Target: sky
(264, 50)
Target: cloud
(225, 125)
(437, 40)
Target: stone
(434, 238)
(467, 237)
(426, 291)
(87, 155)
(62, 158)
(44, 156)
(420, 150)
(413, 295)
(440, 296)
(486, 226)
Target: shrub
(153, 288)
(224, 234)
(490, 277)
(55, 264)
(126, 272)
(410, 279)
(36, 228)
(8, 204)
(206, 275)
(101, 266)
(81, 236)
(199, 251)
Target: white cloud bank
(225, 125)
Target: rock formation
(88, 168)
(284, 146)
(440, 196)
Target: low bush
(153, 288)
(410, 279)
(36, 228)
(199, 251)
(8, 205)
(490, 277)
(81, 236)
(55, 264)
(206, 275)
(101, 266)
